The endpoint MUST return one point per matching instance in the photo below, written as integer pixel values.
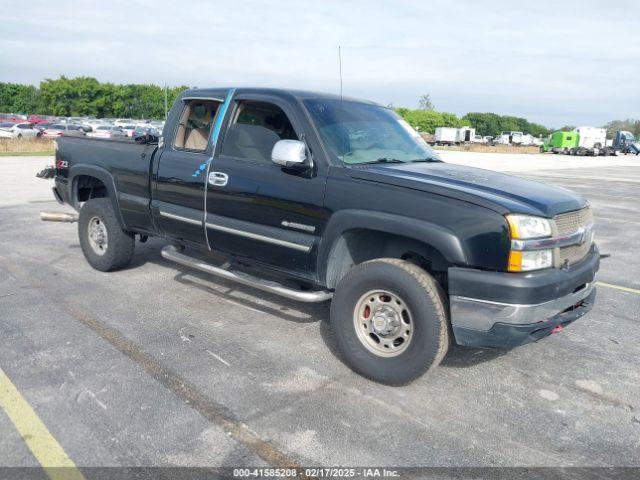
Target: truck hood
(497, 191)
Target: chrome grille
(568, 223)
(574, 253)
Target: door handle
(218, 179)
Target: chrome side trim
(578, 237)
(261, 238)
(180, 218)
(172, 253)
(298, 226)
(481, 315)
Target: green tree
(484, 123)
(629, 125)
(428, 120)
(16, 98)
(86, 96)
(493, 124)
(425, 103)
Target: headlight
(524, 261)
(523, 227)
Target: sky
(555, 63)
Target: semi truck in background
(560, 142)
(591, 141)
(625, 142)
(582, 141)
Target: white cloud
(557, 63)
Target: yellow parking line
(46, 449)
(618, 287)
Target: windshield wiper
(383, 160)
(428, 159)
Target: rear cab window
(193, 132)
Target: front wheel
(105, 245)
(389, 318)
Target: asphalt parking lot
(162, 365)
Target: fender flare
(105, 177)
(438, 237)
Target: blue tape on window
(220, 118)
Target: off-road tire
(120, 245)
(427, 303)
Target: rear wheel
(390, 321)
(105, 245)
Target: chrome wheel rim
(98, 238)
(383, 323)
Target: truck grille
(568, 223)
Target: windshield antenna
(340, 69)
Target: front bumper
(493, 309)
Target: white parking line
(217, 357)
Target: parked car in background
(157, 125)
(128, 130)
(60, 129)
(92, 124)
(107, 131)
(144, 133)
(43, 126)
(18, 130)
(122, 122)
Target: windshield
(359, 133)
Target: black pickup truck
(316, 197)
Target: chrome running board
(172, 253)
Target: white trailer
(465, 134)
(509, 138)
(446, 136)
(530, 140)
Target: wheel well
(360, 245)
(88, 187)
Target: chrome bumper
(482, 315)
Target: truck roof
(276, 92)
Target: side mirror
(289, 154)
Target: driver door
(255, 208)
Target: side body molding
(438, 237)
(105, 177)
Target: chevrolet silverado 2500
(315, 197)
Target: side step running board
(175, 255)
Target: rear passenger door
(178, 197)
(255, 208)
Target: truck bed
(123, 163)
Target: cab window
(196, 122)
(255, 129)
